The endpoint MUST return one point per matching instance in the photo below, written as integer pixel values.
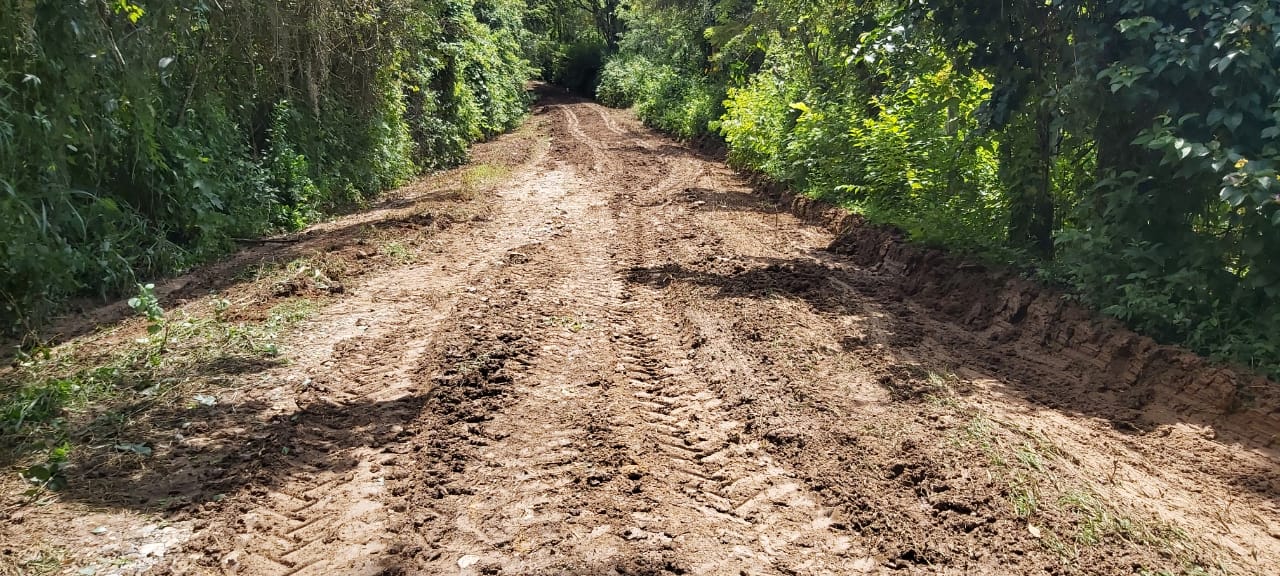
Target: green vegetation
(1125, 150)
(666, 69)
(58, 402)
(140, 137)
(481, 175)
(43, 561)
(569, 39)
(1045, 488)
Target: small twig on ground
(267, 240)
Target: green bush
(910, 163)
(756, 116)
(622, 81)
(662, 96)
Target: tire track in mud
(800, 301)
(610, 123)
(326, 513)
(514, 502)
(1162, 488)
(521, 463)
(801, 334)
(564, 434)
(680, 173)
(735, 510)
(351, 406)
(321, 519)
(764, 519)
(573, 124)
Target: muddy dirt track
(629, 362)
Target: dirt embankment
(1135, 381)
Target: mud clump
(909, 383)
(474, 384)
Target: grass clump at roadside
(1060, 509)
(61, 405)
(474, 180)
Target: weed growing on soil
(1189, 570)
(320, 271)
(398, 252)
(64, 403)
(482, 175)
(147, 304)
(289, 312)
(44, 561)
(569, 322)
(1029, 457)
(912, 383)
(1065, 515)
(472, 366)
(474, 180)
(255, 273)
(1024, 495)
(980, 432)
(1065, 552)
(1095, 522)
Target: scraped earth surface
(630, 362)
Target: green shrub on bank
(662, 96)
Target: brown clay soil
(623, 358)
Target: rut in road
(634, 364)
(602, 452)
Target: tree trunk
(1026, 162)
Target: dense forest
(1126, 151)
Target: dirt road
(628, 362)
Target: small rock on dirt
(785, 435)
